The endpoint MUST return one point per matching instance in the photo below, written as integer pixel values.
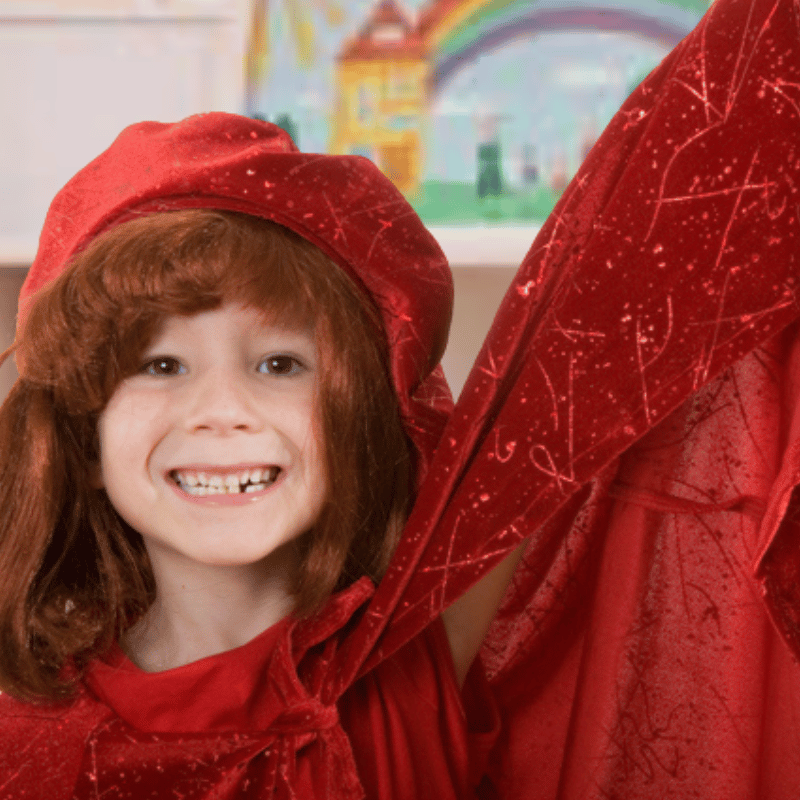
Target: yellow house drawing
(381, 77)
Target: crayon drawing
(480, 111)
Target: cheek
(125, 431)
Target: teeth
(203, 491)
(202, 483)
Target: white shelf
(485, 246)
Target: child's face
(211, 451)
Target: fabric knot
(304, 717)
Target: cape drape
(634, 655)
(633, 411)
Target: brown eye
(164, 365)
(280, 365)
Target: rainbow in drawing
(389, 74)
(458, 31)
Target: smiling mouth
(211, 482)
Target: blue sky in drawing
(550, 92)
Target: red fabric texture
(656, 671)
(634, 410)
(413, 733)
(206, 717)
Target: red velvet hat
(342, 204)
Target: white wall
(478, 292)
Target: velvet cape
(633, 411)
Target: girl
(221, 438)
(635, 406)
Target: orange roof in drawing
(386, 34)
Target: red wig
(75, 575)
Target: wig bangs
(87, 330)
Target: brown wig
(75, 575)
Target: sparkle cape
(634, 410)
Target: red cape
(633, 410)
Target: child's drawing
(478, 110)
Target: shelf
(485, 246)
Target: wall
(478, 292)
(73, 73)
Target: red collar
(242, 689)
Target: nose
(220, 403)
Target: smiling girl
(219, 426)
(229, 408)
